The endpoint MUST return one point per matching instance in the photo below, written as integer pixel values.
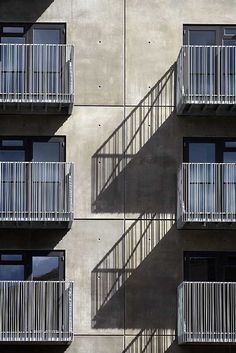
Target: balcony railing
(207, 312)
(36, 74)
(36, 192)
(206, 79)
(206, 193)
(36, 311)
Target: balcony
(206, 195)
(206, 80)
(34, 312)
(38, 194)
(36, 78)
(207, 312)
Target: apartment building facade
(117, 176)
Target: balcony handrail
(36, 311)
(206, 312)
(206, 74)
(36, 191)
(36, 73)
(206, 192)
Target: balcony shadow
(23, 10)
(27, 125)
(119, 159)
(151, 341)
(32, 348)
(38, 239)
(127, 277)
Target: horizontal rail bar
(36, 73)
(36, 191)
(207, 312)
(206, 75)
(207, 192)
(36, 311)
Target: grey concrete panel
(97, 344)
(98, 188)
(97, 31)
(98, 307)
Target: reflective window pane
(229, 157)
(13, 143)
(12, 156)
(230, 31)
(11, 272)
(13, 40)
(197, 37)
(229, 42)
(11, 257)
(46, 36)
(46, 152)
(201, 152)
(231, 144)
(45, 268)
(13, 29)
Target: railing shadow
(23, 10)
(116, 267)
(151, 341)
(128, 139)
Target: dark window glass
(12, 156)
(230, 144)
(12, 143)
(229, 157)
(201, 269)
(201, 152)
(202, 37)
(46, 151)
(46, 36)
(32, 265)
(45, 268)
(13, 29)
(12, 40)
(11, 272)
(231, 31)
(9, 257)
(229, 42)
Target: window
(210, 266)
(18, 62)
(209, 150)
(33, 33)
(32, 265)
(209, 35)
(32, 149)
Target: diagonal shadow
(129, 138)
(151, 341)
(23, 10)
(122, 260)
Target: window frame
(219, 29)
(221, 264)
(219, 146)
(29, 27)
(27, 256)
(28, 142)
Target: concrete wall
(123, 251)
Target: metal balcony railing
(36, 73)
(207, 312)
(207, 192)
(36, 311)
(206, 75)
(36, 192)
